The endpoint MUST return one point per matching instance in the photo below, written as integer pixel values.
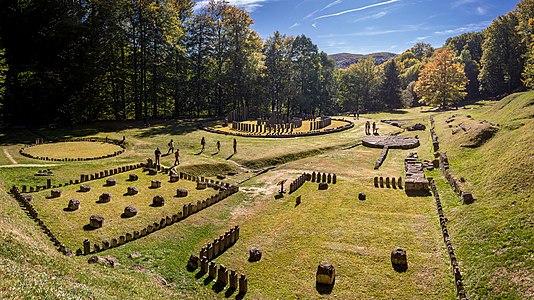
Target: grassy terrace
(493, 237)
(72, 150)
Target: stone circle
(254, 254)
(104, 198)
(392, 141)
(55, 193)
(96, 221)
(181, 193)
(132, 190)
(158, 201)
(74, 204)
(85, 188)
(73, 145)
(130, 211)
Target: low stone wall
(219, 245)
(466, 196)
(224, 277)
(25, 202)
(434, 136)
(83, 178)
(388, 182)
(460, 291)
(382, 157)
(96, 140)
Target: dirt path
(6, 153)
(28, 165)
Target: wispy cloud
(248, 5)
(356, 9)
(320, 10)
(332, 4)
(465, 28)
(481, 10)
(419, 39)
(371, 17)
(294, 25)
(459, 3)
(374, 32)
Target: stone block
(326, 274)
(158, 201)
(74, 204)
(96, 221)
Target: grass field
(493, 237)
(72, 150)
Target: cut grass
(62, 150)
(69, 226)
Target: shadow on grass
(88, 227)
(208, 280)
(229, 292)
(199, 274)
(418, 193)
(124, 216)
(230, 156)
(240, 296)
(324, 289)
(278, 196)
(400, 268)
(218, 287)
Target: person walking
(367, 128)
(177, 157)
(218, 146)
(157, 154)
(235, 146)
(171, 147)
(203, 143)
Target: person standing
(235, 146)
(374, 127)
(203, 143)
(157, 154)
(171, 147)
(218, 146)
(367, 126)
(177, 157)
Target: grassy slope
(495, 235)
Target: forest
(66, 62)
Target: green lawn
(492, 237)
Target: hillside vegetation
(495, 235)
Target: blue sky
(367, 26)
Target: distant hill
(343, 60)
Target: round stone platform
(392, 141)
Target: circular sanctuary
(74, 149)
(392, 141)
(277, 125)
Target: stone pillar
(222, 276)
(329, 178)
(324, 177)
(381, 181)
(86, 247)
(399, 182)
(393, 183)
(210, 251)
(387, 182)
(243, 284)
(204, 265)
(334, 178)
(212, 270)
(233, 280)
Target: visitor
(171, 147)
(123, 142)
(177, 157)
(203, 143)
(367, 128)
(235, 146)
(157, 154)
(218, 146)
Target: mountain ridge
(344, 59)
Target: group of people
(157, 152)
(368, 128)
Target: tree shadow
(215, 153)
(324, 289)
